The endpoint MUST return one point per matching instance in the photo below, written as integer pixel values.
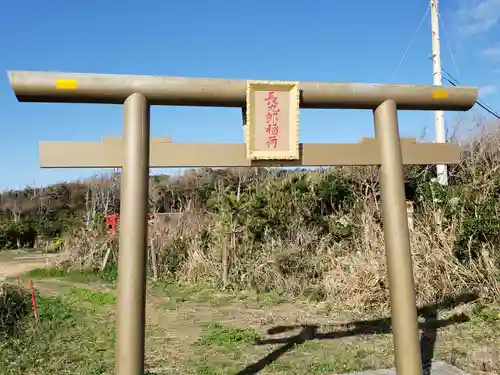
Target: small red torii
(112, 220)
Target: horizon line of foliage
(260, 200)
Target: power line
(449, 45)
(453, 81)
(452, 78)
(410, 44)
(487, 109)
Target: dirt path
(15, 266)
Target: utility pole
(442, 171)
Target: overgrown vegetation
(14, 310)
(314, 233)
(68, 337)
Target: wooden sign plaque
(272, 120)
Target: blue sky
(316, 40)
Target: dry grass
(296, 257)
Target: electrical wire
(449, 45)
(453, 81)
(478, 102)
(410, 44)
(451, 77)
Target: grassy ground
(204, 332)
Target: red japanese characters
(272, 119)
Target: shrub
(14, 309)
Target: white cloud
(475, 17)
(488, 90)
(493, 52)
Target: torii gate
(135, 155)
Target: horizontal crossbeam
(403, 140)
(185, 155)
(36, 86)
(110, 138)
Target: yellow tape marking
(66, 84)
(440, 94)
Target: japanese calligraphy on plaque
(272, 120)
